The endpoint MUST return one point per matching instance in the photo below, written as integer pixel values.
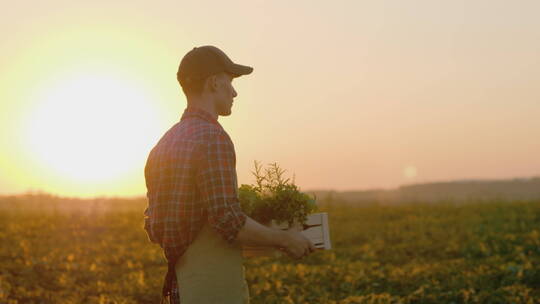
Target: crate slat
(326, 231)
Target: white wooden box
(316, 229)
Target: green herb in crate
(275, 198)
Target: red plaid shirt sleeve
(217, 182)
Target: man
(193, 208)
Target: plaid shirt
(191, 179)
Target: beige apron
(211, 271)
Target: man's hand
(296, 245)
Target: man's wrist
(280, 238)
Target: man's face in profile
(224, 94)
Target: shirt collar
(200, 113)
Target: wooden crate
(315, 229)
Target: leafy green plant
(275, 198)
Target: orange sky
(345, 94)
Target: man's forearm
(255, 234)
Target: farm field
(59, 250)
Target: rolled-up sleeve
(217, 183)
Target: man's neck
(203, 104)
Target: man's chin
(225, 113)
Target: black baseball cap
(208, 60)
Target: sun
(91, 127)
(410, 172)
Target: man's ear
(212, 83)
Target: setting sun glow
(355, 96)
(91, 127)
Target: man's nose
(234, 94)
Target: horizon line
(139, 196)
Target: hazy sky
(344, 94)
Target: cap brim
(238, 70)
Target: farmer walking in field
(193, 208)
